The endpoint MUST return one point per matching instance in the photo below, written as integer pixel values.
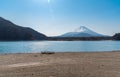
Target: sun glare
(48, 1)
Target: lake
(58, 46)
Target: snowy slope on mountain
(82, 32)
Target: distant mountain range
(10, 31)
(82, 31)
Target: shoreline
(53, 52)
(61, 64)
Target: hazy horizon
(56, 17)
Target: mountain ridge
(10, 31)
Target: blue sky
(60, 16)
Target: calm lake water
(58, 46)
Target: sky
(56, 17)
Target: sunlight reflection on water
(58, 46)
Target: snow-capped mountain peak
(82, 31)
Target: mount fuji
(82, 31)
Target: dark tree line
(114, 37)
